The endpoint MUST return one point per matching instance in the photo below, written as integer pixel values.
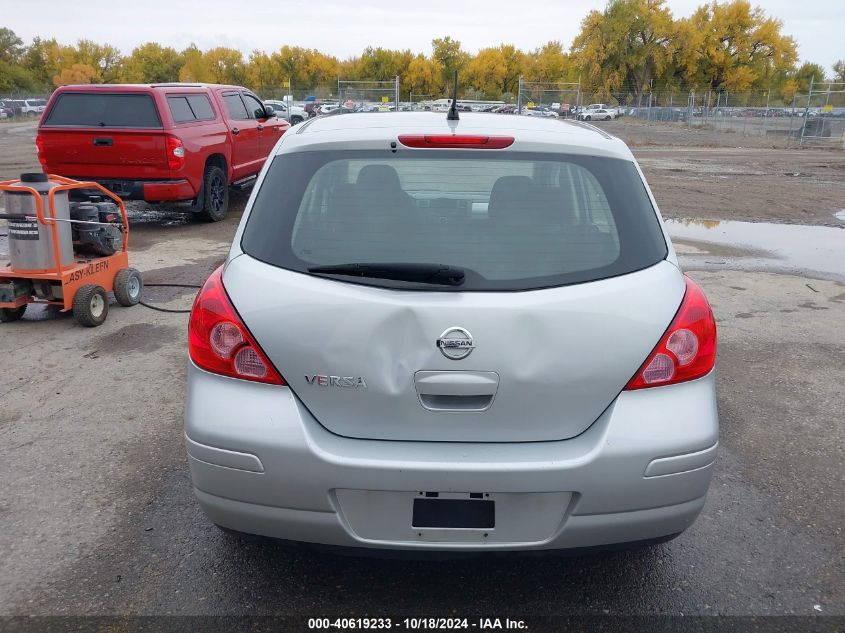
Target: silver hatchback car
(452, 335)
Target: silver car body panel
(589, 490)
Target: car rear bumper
(261, 464)
(148, 190)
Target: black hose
(170, 310)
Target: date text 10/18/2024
(415, 624)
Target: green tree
(11, 46)
(152, 63)
(450, 57)
(839, 71)
(105, 59)
(15, 78)
(807, 73)
(196, 67)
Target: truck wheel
(128, 286)
(215, 198)
(91, 305)
(7, 315)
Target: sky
(345, 28)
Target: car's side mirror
(264, 113)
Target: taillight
(218, 340)
(455, 141)
(688, 348)
(39, 149)
(175, 153)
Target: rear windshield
(512, 222)
(98, 109)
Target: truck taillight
(688, 348)
(175, 153)
(218, 340)
(39, 149)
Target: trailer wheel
(128, 286)
(215, 200)
(91, 305)
(7, 315)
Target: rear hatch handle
(456, 390)
(103, 141)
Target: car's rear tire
(607, 118)
(91, 305)
(296, 119)
(7, 315)
(215, 194)
(588, 118)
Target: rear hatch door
(366, 361)
(564, 289)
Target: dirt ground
(689, 179)
(98, 516)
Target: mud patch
(138, 337)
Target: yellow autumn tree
(76, 74)
(495, 71)
(626, 46)
(732, 46)
(422, 78)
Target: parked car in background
(33, 107)
(596, 115)
(17, 106)
(539, 111)
(160, 142)
(297, 113)
(568, 398)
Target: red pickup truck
(159, 142)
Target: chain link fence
(21, 106)
(724, 118)
(369, 96)
(560, 97)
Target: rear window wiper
(423, 273)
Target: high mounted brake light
(218, 340)
(455, 141)
(687, 349)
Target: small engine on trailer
(97, 226)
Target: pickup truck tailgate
(100, 153)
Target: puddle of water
(817, 251)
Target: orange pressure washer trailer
(63, 252)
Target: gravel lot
(97, 515)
